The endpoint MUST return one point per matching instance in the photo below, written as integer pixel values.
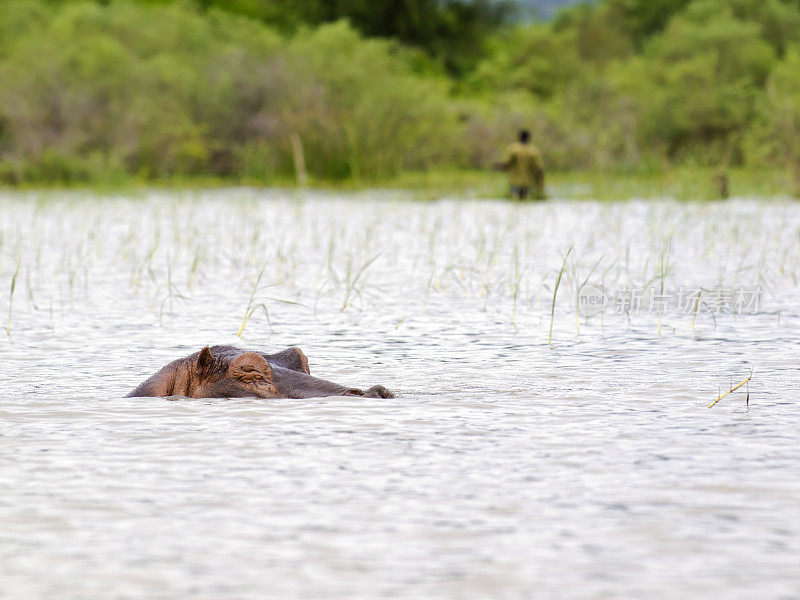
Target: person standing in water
(523, 163)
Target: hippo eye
(252, 373)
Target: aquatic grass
(663, 269)
(578, 286)
(351, 281)
(604, 273)
(199, 256)
(172, 293)
(466, 252)
(253, 306)
(11, 294)
(555, 291)
(29, 288)
(696, 306)
(516, 285)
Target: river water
(506, 467)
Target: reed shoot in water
(11, 295)
(252, 307)
(555, 291)
(351, 282)
(664, 268)
(696, 306)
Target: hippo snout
(378, 391)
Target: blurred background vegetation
(370, 90)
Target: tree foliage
(161, 88)
(628, 81)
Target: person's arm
(505, 163)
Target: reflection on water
(505, 468)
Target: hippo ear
(250, 362)
(292, 358)
(205, 361)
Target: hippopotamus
(228, 372)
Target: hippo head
(228, 372)
(247, 375)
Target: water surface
(506, 467)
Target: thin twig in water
(733, 389)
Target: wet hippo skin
(228, 372)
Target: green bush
(165, 90)
(162, 89)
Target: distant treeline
(246, 89)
